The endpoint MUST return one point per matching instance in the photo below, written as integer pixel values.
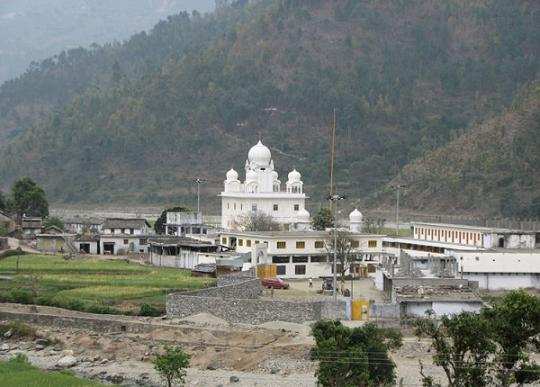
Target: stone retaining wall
(254, 311)
(247, 289)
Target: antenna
(332, 155)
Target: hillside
(405, 77)
(34, 30)
(493, 169)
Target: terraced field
(91, 284)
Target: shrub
(21, 296)
(18, 329)
(150, 311)
(172, 365)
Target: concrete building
(420, 247)
(262, 191)
(83, 225)
(500, 269)
(53, 241)
(485, 237)
(31, 226)
(88, 244)
(123, 236)
(300, 254)
(185, 223)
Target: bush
(18, 329)
(150, 311)
(21, 296)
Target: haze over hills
(132, 123)
(33, 30)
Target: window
(123, 231)
(299, 259)
(280, 270)
(372, 243)
(300, 244)
(248, 242)
(253, 208)
(126, 242)
(276, 207)
(256, 242)
(234, 206)
(142, 241)
(300, 270)
(228, 205)
(278, 259)
(355, 244)
(297, 207)
(318, 258)
(281, 245)
(240, 242)
(319, 244)
(224, 241)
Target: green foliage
(18, 372)
(353, 357)
(172, 365)
(515, 321)
(149, 310)
(28, 198)
(322, 219)
(474, 349)
(3, 202)
(159, 225)
(53, 221)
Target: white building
(122, 236)
(185, 223)
(500, 269)
(300, 254)
(261, 191)
(486, 237)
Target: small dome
(274, 175)
(356, 216)
(232, 174)
(251, 175)
(294, 176)
(260, 155)
(303, 215)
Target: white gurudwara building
(262, 191)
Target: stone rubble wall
(254, 311)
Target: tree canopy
(322, 219)
(354, 356)
(27, 198)
(172, 365)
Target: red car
(274, 283)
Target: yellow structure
(360, 310)
(266, 271)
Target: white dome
(356, 216)
(260, 155)
(303, 215)
(251, 175)
(294, 176)
(232, 174)
(274, 175)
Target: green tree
(323, 219)
(515, 321)
(159, 226)
(354, 357)
(172, 365)
(28, 198)
(463, 348)
(53, 221)
(3, 202)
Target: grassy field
(17, 372)
(95, 285)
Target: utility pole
(334, 200)
(398, 187)
(332, 156)
(199, 182)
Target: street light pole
(199, 181)
(397, 210)
(334, 199)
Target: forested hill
(491, 169)
(189, 99)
